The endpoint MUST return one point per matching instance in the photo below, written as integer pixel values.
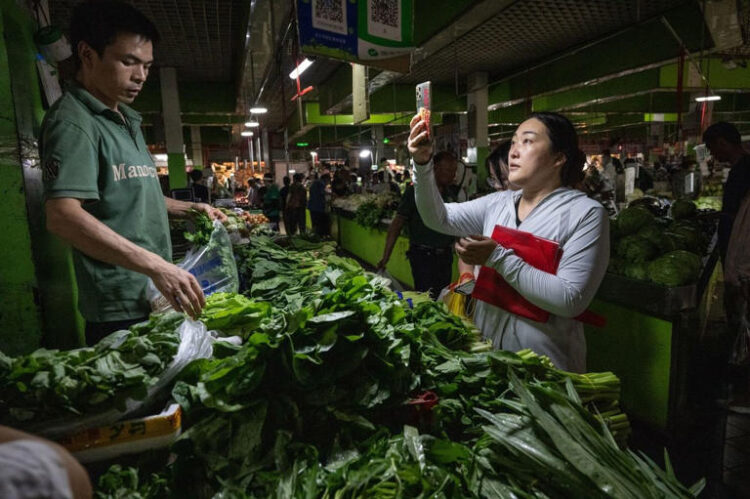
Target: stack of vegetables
(342, 388)
(368, 209)
(665, 251)
(53, 385)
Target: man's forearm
(394, 230)
(176, 208)
(67, 219)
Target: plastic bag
(394, 285)
(195, 343)
(212, 265)
(459, 304)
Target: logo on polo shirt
(122, 172)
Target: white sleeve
(32, 469)
(581, 270)
(456, 219)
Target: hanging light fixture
(708, 98)
(258, 110)
(301, 67)
(252, 124)
(246, 133)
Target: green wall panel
(718, 76)
(45, 264)
(177, 174)
(638, 349)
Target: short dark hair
(442, 156)
(196, 175)
(298, 177)
(286, 180)
(98, 22)
(723, 130)
(564, 140)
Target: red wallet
(538, 252)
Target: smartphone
(424, 98)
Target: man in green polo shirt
(101, 189)
(430, 253)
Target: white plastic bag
(394, 284)
(212, 265)
(196, 342)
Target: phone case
(424, 97)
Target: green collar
(98, 107)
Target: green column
(51, 275)
(177, 175)
(20, 323)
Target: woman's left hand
(475, 250)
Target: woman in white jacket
(545, 163)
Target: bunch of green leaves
(203, 226)
(52, 384)
(548, 441)
(125, 483)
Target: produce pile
(368, 209)
(343, 389)
(666, 251)
(50, 385)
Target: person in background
(430, 252)
(340, 184)
(253, 196)
(544, 162)
(283, 194)
(295, 204)
(608, 170)
(317, 205)
(200, 191)
(32, 467)
(100, 187)
(354, 186)
(271, 201)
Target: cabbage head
(631, 220)
(683, 208)
(634, 249)
(676, 268)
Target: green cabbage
(683, 208)
(637, 271)
(631, 220)
(635, 249)
(676, 268)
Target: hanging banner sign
(372, 32)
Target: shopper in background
(608, 169)
(253, 194)
(544, 162)
(724, 141)
(283, 195)
(271, 201)
(430, 252)
(101, 191)
(200, 191)
(318, 205)
(32, 467)
(296, 203)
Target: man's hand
(475, 250)
(420, 145)
(180, 288)
(213, 213)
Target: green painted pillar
(20, 323)
(170, 98)
(37, 291)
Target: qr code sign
(330, 15)
(331, 10)
(385, 12)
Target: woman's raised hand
(420, 143)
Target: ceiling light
(708, 98)
(258, 110)
(246, 133)
(364, 153)
(300, 68)
(252, 124)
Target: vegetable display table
(648, 342)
